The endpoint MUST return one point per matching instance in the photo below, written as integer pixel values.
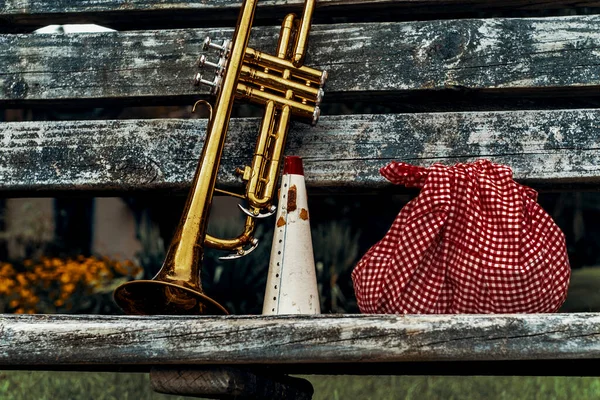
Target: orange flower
(21, 279)
(69, 288)
(57, 280)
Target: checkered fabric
(473, 241)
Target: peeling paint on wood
(493, 54)
(20, 15)
(30, 7)
(542, 147)
(55, 340)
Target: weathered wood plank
(344, 152)
(383, 58)
(57, 340)
(20, 15)
(42, 7)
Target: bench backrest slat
(25, 15)
(343, 152)
(521, 55)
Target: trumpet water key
(286, 89)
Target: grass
(455, 388)
(44, 385)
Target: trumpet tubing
(298, 109)
(262, 79)
(302, 73)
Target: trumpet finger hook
(207, 104)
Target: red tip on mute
(293, 165)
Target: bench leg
(224, 382)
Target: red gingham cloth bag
(472, 241)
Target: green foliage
(55, 285)
(240, 284)
(336, 251)
(583, 295)
(43, 385)
(237, 284)
(454, 388)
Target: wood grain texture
(522, 54)
(342, 152)
(55, 340)
(23, 15)
(40, 7)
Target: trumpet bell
(152, 297)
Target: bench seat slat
(24, 14)
(494, 55)
(345, 152)
(59, 340)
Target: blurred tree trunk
(73, 226)
(3, 243)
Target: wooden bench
(426, 80)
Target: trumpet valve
(219, 66)
(208, 44)
(215, 84)
(224, 48)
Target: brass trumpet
(286, 89)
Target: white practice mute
(292, 281)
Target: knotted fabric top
(472, 241)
